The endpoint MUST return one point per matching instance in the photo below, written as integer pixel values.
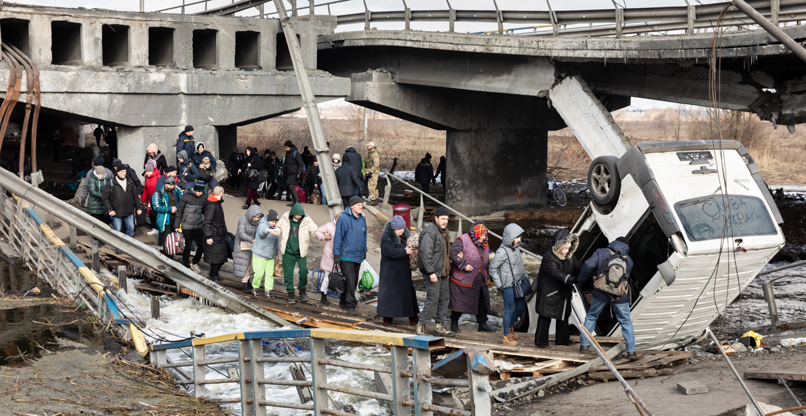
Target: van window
(704, 217)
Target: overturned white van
(701, 224)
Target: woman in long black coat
(216, 249)
(558, 272)
(397, 297)
(252, 161)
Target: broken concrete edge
(376, 212)
(516, 391)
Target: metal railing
(250, 374)
(595, 22)
(387, 192)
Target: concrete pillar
(490, 170)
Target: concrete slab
(692, 387)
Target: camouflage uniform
(373, 166)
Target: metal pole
(769, 296)
(732, 368)
(795, 398)
(771, 29)
(312, 112)
(142, 5)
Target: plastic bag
(755, 336)
(367, 277)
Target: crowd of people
(456, 272)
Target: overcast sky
(356, 6)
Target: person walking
(557, 274)
(252, 161)
(130, 175)
(424, 172)
(325, 233)
(313, 182)
(122, 201)
(273, 167)
(236, 164)
(214, 227)
(350, 249)
(85, 184)
(96, 151)
(397, 297)
(265, 249)
(373, 169)
(440, 172)
(354, 159)
(295, 231)
(506, 269)
(112, 141)
(152, 176)
(244, 240)
(185, 142)
(153, 153)
(307, 156)
(95, 190)
(165, 203)
(595, 266)
(187, 172)
(470, 262)
(293, 165)
(348, 180)
(189, 220)
(433, 260)
(170, 172)
(99, 134)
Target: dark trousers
(293, 193)
(193, 236)
(104, 218)
(235, 181)
(346, 201)
(152, 216)
(272, 191)
(169, 228)
(426, 186)
(562, 332)
(481, 318)
(214, 268)
(350, 271)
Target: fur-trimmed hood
(564, 238)
(393, 237)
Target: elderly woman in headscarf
(325, 233)
(557, 275)
(397, 297)
(244, 238)
(470, 263)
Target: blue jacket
(192, 173)
(266, 245)
(160, 203)
(186, 143)
(592, 266)
(350, 241)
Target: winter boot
(631, 355)
(419, 329)
(324, 300)
(247, 288)
(512, 335)
(291, 300)
(351, 312)
(455, 327)
(303, 297)
(584, 349)
(483, 327)
(509, 341)
(441, 331)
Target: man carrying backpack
(612, 267)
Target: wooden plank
(773, 375)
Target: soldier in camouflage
(373, 169)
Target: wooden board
(773, 375)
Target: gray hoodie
(506, 256)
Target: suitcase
(174, 243)
(301, 195)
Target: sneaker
(195, 267)
(441, 331)
(631, 355)
(483, 327)
(303, 297)
(268, 294)
(257, 292)
(351, 312)
(291, 300)
(455, 327)
(584, 349)
(246, 206)
(509, 341)
(419, 329)
(153, 231)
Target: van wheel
(522, 323)
(604, 181)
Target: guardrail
(251, 377)
(609, 22)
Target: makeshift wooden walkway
(522, 360)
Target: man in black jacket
(130, 175)
(348, 181)
(292, 167)
(434, 263)
(424, 173)
(189, 219)
(271, 165)
(121, 200)
(214, 227)
(236, 162)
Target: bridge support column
(490, 170)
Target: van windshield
(704, 217)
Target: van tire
(521, 324)
(604, 181)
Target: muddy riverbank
(56, 358)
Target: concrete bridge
(496, 96)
